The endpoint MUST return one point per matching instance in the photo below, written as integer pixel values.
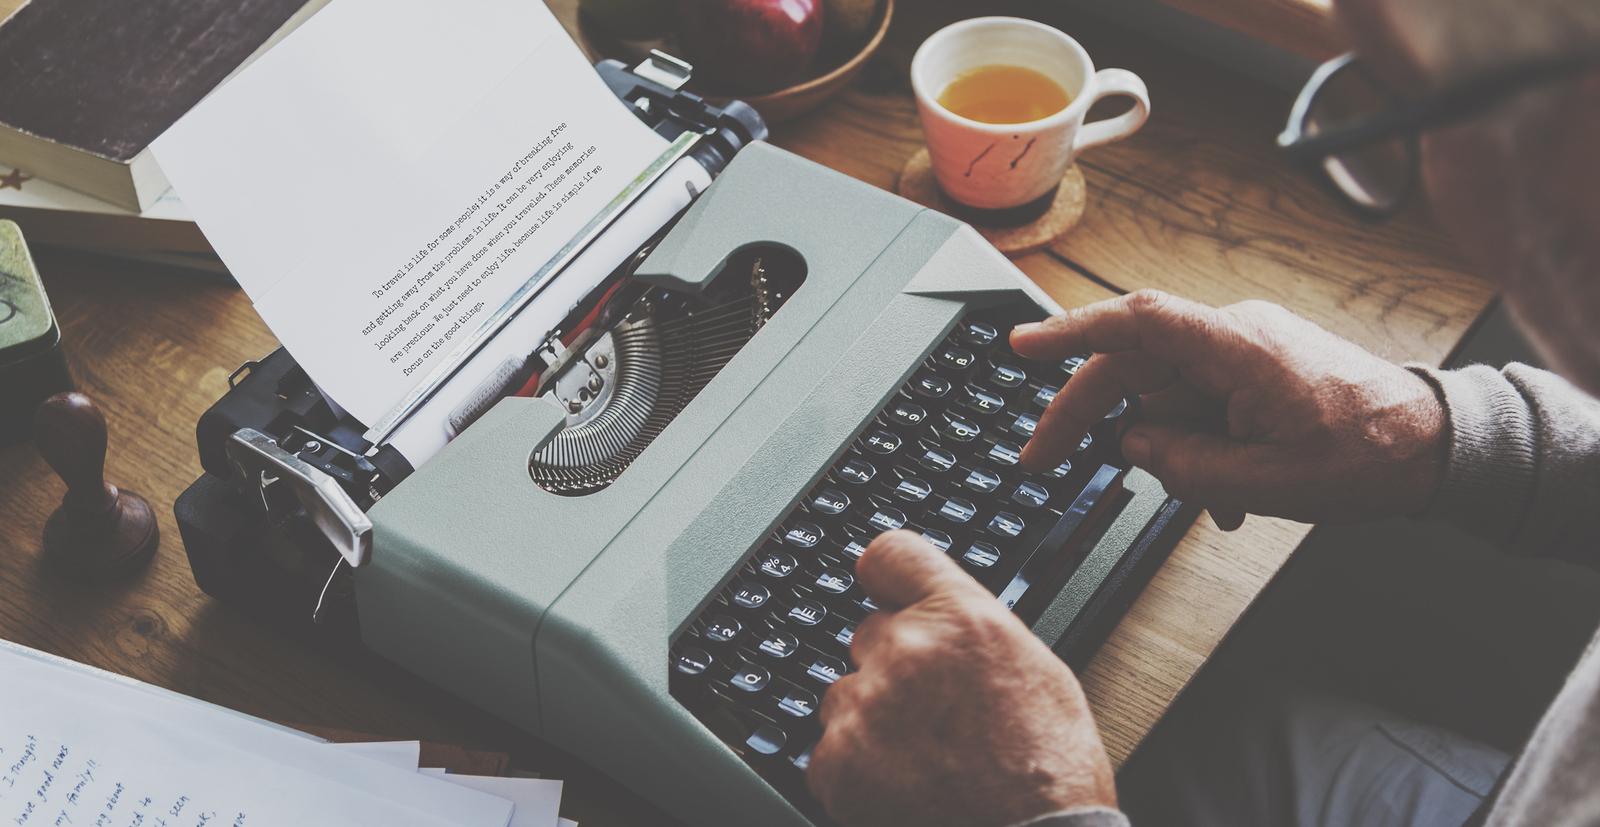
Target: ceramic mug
(999, 166)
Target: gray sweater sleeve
(1523, 467)
(1079, 817)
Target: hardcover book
(86, 85)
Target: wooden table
(1197, 204)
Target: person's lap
(1275, 755)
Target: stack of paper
(82, 746)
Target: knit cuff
(1490, 471)
(1079, 817)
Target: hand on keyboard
(1244, 409)
(956, 714)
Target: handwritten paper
(403, 754)
(78, 749)
(386, 176)
(538, 800)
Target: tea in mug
(1004, 94)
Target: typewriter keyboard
(941, 458)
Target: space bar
(1058, 536)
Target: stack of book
(87, 85)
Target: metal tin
(32, 366)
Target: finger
(1225, 519)
(900, 568)
(1182, 404)
(867, 632)
(1166, 326)
(839, 699)
(827, 766)
(1204, 468)
(1098, 387)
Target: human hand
(957, 714)
(1244, 409)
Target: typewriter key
(778, 564)
(803, 535)
(974, 398)
(913, 489)
(935, 458)
(751, 596)
(882, 442)
(693, 661)
(723, 629)
(977, 334)
(980, 480)
(779, 644)
(1030, 494)
(1023, 425)
(807, 613)
(835, 581)
(1007, 525)
(887, 519)
(956, 428)
(1007, 376)
(830, 502)
(855, 545)
(857, 471)
(981, 555)
(957, 510)
(931, 386)
(767, 740)
(952, 358)
(826, 669)
(750, 678)
(798, 702)
(906, 413)
(1005, 453)
(938, 539)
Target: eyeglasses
(1364, 135)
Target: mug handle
(1110, 82)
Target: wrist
(1090, 816)
(1419, 443)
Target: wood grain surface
(1197, 203)
(1304, 27)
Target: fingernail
(1026, 328)
(1136, 446)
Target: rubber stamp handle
(70, 433)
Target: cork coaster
(1015, 232)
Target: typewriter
(639, 544)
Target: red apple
(750, 45)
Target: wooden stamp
(99, 532)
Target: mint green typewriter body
(558, 613)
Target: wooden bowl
(793, 101)
(776, 107)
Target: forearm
(1523, 463)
